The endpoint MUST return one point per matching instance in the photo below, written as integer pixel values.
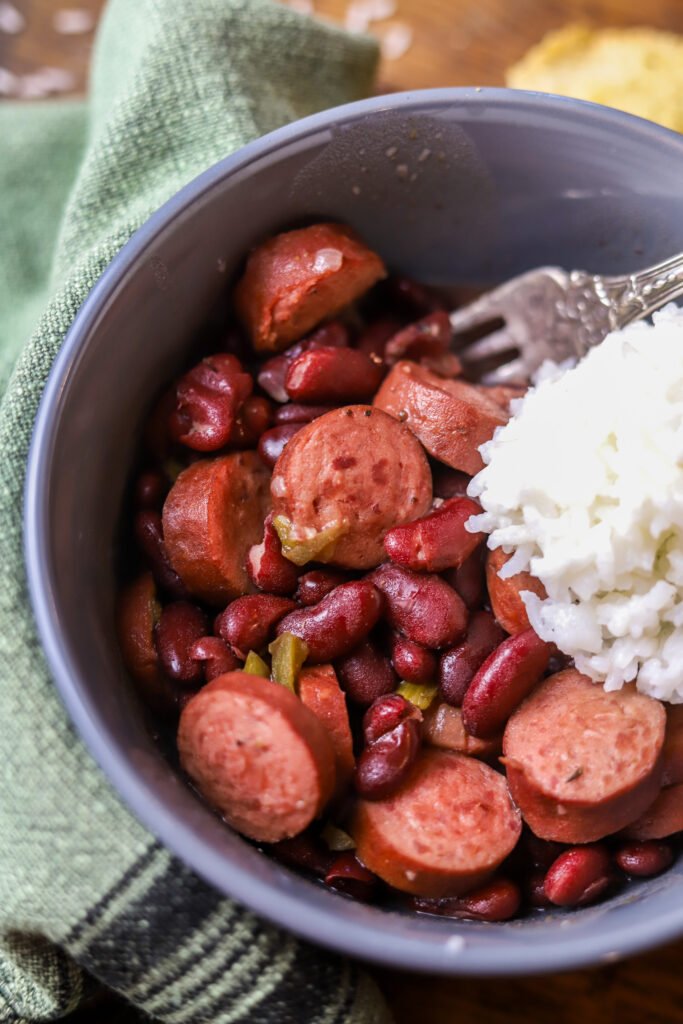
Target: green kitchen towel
(85, 892)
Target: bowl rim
(284, 906)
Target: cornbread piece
(639, 70)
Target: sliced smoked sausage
(662, 818)
(582, 763)
(505, 594)
(357, 473)
(450, 417)
(443, 728)
(257, 755)
(320, 691)
(444, 832)
(673, 745)
(298, 278)
(138, 610)
(213, 514)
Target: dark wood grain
(454, 42)
(40, 45)
(472, 42)
(647, 989)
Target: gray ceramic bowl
(449, 185)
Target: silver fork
(551, 313)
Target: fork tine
(505, 374)
(491, 345)
(476, 313)
(499, 301)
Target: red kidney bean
(469, 580)
(149, 535)
(294, 412)
(503, 681)
(248, 623)
(431, 334)
(373, 339)
(274, 371)
(541, 852)
(384, 765)
(271, 377)
(179, 626)
(150, 491)
(458, 666)
(215, 655)
(418, 298)
(333, 334)
(332, 375)
(414, 663)
(303, 851)
(346, 874)
(438, 540)
(272, 443)
(498, 900)
(557, 662)
(366, 673)
(426, 341)
(422, 607)
(207, 400)
(578, 876)
(644, 859)
(535, 890)
(316, 584)
(138, 610)
(338, 623)
(449, 483)
(385, 714)
(257, 415)
(267, 567)
(252, 420)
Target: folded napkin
(86, 894)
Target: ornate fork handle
(634, 296)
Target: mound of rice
(585, 486)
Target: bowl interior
(451, 186)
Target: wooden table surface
(451, 42)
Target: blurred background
(45, 45)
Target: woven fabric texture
(85, 891)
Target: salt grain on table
(31, 87)
(44, 82)
(12, 21)
(396, 40)
(360, 13)
(73, 21)
(8, 83)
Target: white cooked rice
(585, 486)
